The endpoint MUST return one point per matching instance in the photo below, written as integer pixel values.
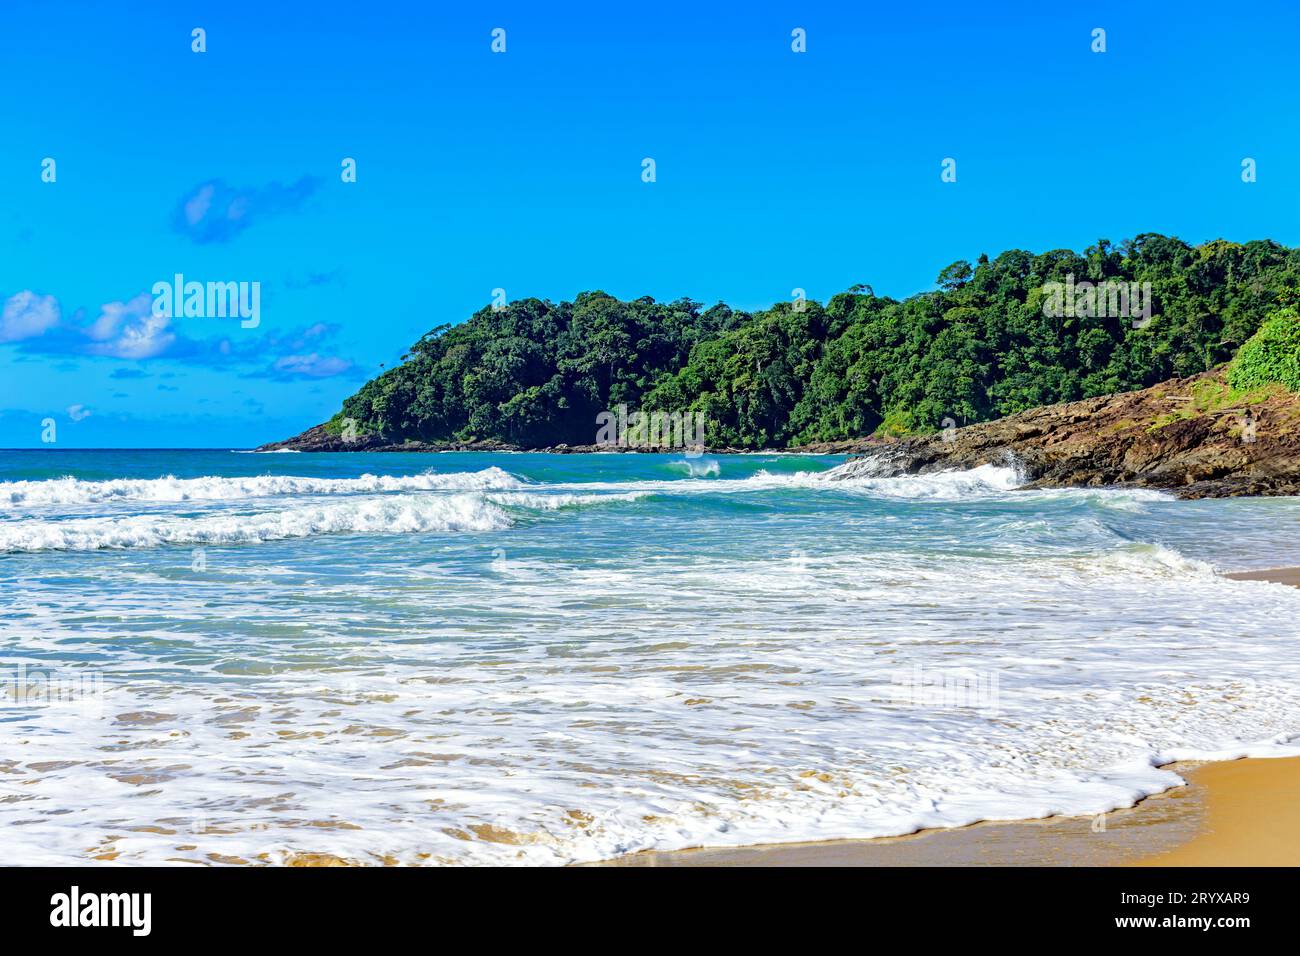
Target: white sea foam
(627, 678)
(555, 501)
(64, 491)
(398, 515)
(700, 715)
(984, 481)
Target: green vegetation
(980, 346)
(534, 373)
(1272, 355)
(1212, 397)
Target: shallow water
(534, 658)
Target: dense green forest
(979, 346)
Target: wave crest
(979, 481)
(74, 491)
(404, 515)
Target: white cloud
(130, 330)
(309, 366)
(78, 412)
(27, 315)
(197, 206)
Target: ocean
(468, 658)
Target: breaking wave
(69, 491)
(396, 515)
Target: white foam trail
(981, 481)
(396, 515)
(975, 482)
(984, 481)
(554, 502)
(995, 477)
(69, 491)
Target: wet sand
(1234, 813)
(1289, 576)
(1252, 816)
(1122, 836)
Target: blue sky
(522, 171)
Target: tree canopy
(979, 346)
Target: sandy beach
(1290, 576)
(1234, 813)
(1230, 813)
(1251, 816)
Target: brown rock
(1190, 436)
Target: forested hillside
(981, 345)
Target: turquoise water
(464, 658)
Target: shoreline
(1287, 576)
(1227, 813)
